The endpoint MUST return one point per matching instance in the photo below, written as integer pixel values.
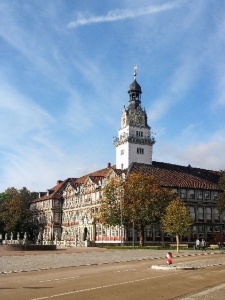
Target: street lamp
(121, 221)
(52, 232)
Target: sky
(65, 69)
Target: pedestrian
(197, 244)
(203, 245)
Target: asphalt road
(131, 280)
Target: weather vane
(135, 71)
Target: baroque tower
(134, 142)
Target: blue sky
(65, 69)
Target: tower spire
(135, 71)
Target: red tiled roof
(58, 189)
(55, 192)
(170, 175)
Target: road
(131, 280)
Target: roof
(57, 191)
(134, 87)
(170, 175)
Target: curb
(157, 267)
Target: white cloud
(207, 154)
(117, 15)
(20, 115)
(76, 117)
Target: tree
(177, 220)
(221, 198)
(140, 199)
(15, 215)
(110, 205)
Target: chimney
(59, 181)
(109, 165)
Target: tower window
(139, 133)
(122, 152)
(140, 151)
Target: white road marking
(128, 270)
(103, 286)
(58, 279)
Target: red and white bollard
(169, 258)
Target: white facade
(133, 146)
(134, 141)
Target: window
(56, 203)
(157, 233)
(140, 151)
(148, 232)
(208, 213)
(98, 230)
(174, 191)
(192, 212)
(209, 228)
(217, 228)
(103, 231)
(122, 152)
(201, 229)
(194, 229)
(112, 231)
(215, 195)
(191, 194)
(183, 194)
(200, 213)
(199, 195)
(216, 213)
(207, 195)
(139, 134)
(121, 166)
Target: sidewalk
(25, 261)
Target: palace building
(66, 211)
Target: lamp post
(52, 228)
(121, 221)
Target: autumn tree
(140, 199)
(15, 215)
(221, 198)
(177, 220)
(110, 204)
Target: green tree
(15, 215)
(177, 220)
(140, 199)
(221, 198)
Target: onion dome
(135, 87)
